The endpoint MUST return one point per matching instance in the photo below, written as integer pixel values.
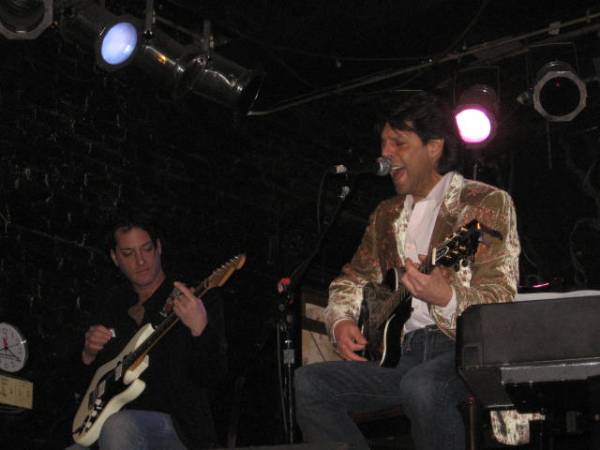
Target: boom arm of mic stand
(286, 327)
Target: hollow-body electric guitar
(387, 306)
(117, 382)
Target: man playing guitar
(173, 409)
(432, 202)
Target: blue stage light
(119, 43)
(114, 39)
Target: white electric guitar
(117, 382)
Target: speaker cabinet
(316, 345)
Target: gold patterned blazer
(491, 278)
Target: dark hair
(128, 218)
(430, 118)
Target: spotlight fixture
(184, 69)
(166, 60)
(114, 39)
(559, 95)
(225, 82)
(24, 19)
(475, 115)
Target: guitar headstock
(222, 274)
(462, 244)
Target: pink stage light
(475, 115)
(474, 125)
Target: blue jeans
(425, 385)
(139, 430)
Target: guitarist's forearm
(86, 358)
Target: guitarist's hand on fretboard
(190, 309)
(433, 288)
(349, 340)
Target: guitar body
(109, 391)
(387, 306)
(391, 349)
(384, 311)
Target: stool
(385, 429)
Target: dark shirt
(182, 368)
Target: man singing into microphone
(432, 201)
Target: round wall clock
(13, 348)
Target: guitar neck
(427, 267)
(432, 260)
(162, 329)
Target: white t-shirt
(418, 236)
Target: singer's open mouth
(397, 171)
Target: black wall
(76, 142)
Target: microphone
(380, 167)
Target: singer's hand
(349, 340)
(433, 288)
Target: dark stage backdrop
(76, 142)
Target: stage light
(188, 69)
(114, 39)
(24, 19)
(225, 82)
(559, 95)
(119, 42)
(166, 61)
(475, 115)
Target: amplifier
(510, 354)
(316, 345)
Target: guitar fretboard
(158, 332)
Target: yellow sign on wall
(16, 392)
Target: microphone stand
(287, 323)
